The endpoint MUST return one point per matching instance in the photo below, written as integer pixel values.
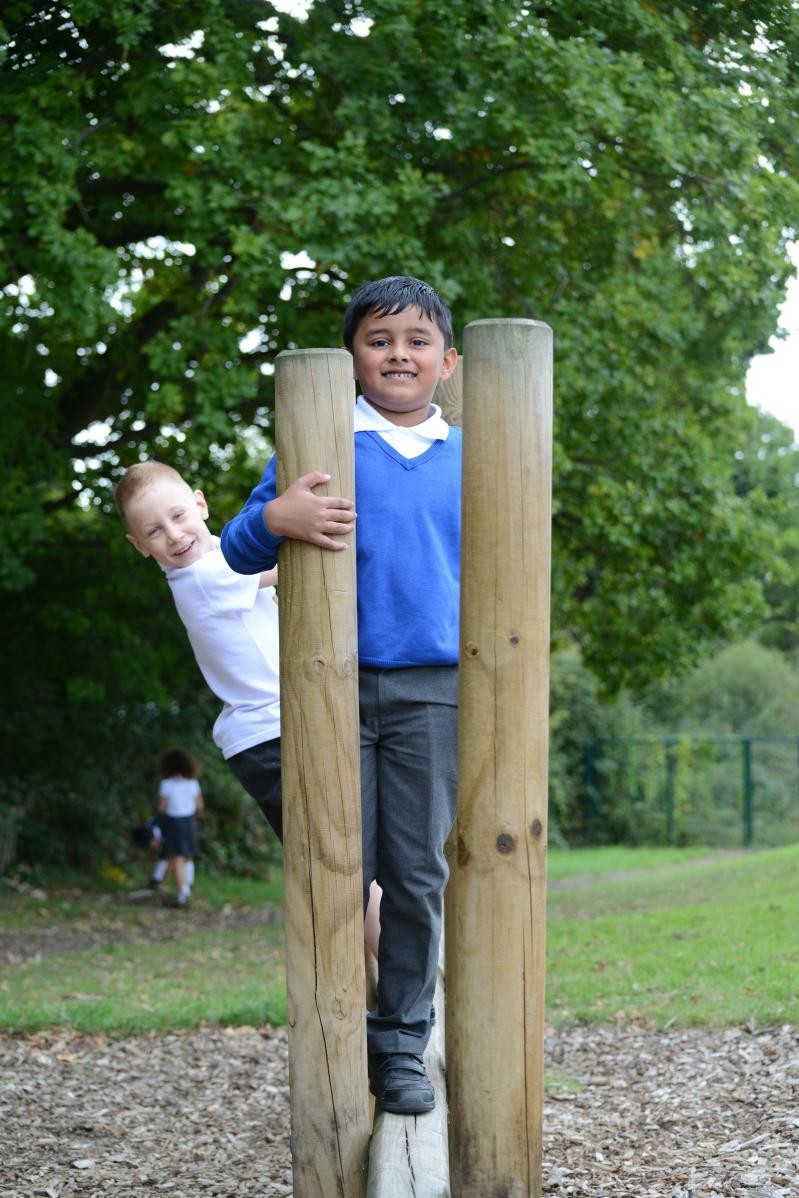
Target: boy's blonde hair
(138, 478)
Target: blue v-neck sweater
(408, 549)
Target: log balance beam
(495, 907)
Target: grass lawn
(711, 940)
(653, 935)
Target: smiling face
(167, 521)
(399, 361)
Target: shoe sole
(406, 1108)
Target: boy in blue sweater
(407, 488)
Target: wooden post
(321, 794)
(496, 899)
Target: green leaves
(189, 188)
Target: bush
(705, 762)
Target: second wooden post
(330, 1122)
(496, 915)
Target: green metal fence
(692, 789)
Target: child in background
(180, 801)
(407, 487)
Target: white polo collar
(368, 419)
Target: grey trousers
(409, 725)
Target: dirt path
(123, 922)
(629, 1114)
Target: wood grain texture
(321, 794)
(496, 899)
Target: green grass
(131, 982)
(66, 896)
(711, 941)
(612, 859)
(657, 936)
(229, 978)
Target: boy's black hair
(387, 297)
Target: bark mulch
(629, 1114)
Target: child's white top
(180, 794)
(233, 629)
(410, 441)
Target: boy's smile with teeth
(167, 521)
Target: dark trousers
(258, 770)
(408, 793)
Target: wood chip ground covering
(629, 1113)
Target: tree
(191, 187)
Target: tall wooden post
(330, 1122)
(496, 912)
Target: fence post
(591, 782)
(671, 770)
(748, 790)
(330, 1125)
(496, 899)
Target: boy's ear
(201, 504)
(450, 362)
(136, 543)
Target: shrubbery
(671, 764)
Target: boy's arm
(268, 578)
(250, 540)
(247, 544)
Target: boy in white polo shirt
(231, 620)
(232, 623)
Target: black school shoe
(400, 1084)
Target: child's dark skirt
(180, 835)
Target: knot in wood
(536, 827)
(514, 638)
(471, 649)
(506, 843)
(348, 667)
(318, 663)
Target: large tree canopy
(190, 187)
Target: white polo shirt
(410, 442)
(233, 629)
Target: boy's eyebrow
(417, 328)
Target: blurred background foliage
(189, 188)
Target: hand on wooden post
(300, 514)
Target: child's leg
(417, 715)
(371, 944)
(159, 872)
(371, 923)
(190, 873)
(258, 771)
(179, 866)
